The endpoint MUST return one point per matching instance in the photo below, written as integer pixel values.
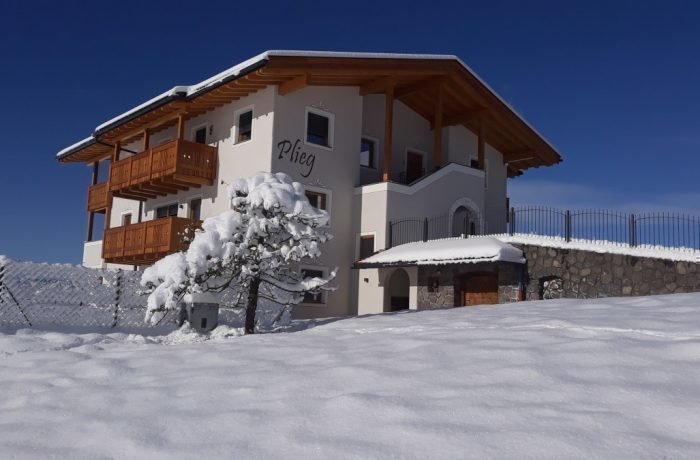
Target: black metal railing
(673, 230)
(415, 229)
(654, 228)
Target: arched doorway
(397, 291)
(463, 222)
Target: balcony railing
(145, 242)
(168, 168)
(98, 198)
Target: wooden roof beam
(378, 85)
(422, 85)
(464, 118)
(293, 84)
(138, 130)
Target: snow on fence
(54, 296)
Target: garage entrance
(478, 289)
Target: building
(379, 140)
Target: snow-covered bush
(251, 248)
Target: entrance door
(479, 289)
(414, 166)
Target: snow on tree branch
(272, 225)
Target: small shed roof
(445, 251)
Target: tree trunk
(251, 306)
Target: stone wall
(585, 274)
(438, 285)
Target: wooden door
(479, 289)
(414, 166)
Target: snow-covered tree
(251, 248)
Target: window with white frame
(317, 199)
(319, 128)
(368, 149)
(244, 125)
(314, 272)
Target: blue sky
(613, 85)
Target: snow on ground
(606, 378)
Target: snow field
(605, 378)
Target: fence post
(633, 230)
(3, 287)
(567, 226)
(512, 221)
(117, 298)
(425, 229)
(391, 236)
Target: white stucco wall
(335, 171)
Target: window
(126, 219)
(200, 136)
(245, 126)
(195, 211)
(166, 211)
(317, 199)
(367, 149)
(319, 129)
(366, 246)
(313, 273)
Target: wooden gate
(478, 289)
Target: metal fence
(66, 296)
(674, 230)
(415, 229)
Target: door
(479, 289)
(414, 166)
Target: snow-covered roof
(189, 91)
(447, 251)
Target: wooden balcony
(145, 242)
(98, 197)
(163, 170)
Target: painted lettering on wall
(292, 151)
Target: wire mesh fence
(66, 296)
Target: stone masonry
(586, 274)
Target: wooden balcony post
(115, 158)
(481, 149)
(388, 132)
(181, 126)
(437, 144)
(146, 139)
(95, 172)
